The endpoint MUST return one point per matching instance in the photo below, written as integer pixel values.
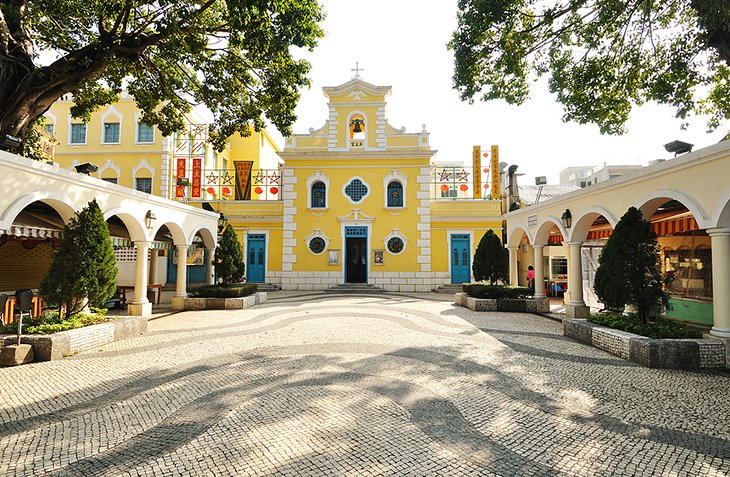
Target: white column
(539, 271)
(720, 242)
(576, 308)
(209, 267)
(513, 272)
(182, 271)
(153, 266)
(181, 291)
(575, 273)
(140, 306)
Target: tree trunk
(37, 89)
(714, 16)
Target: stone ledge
(66, 343)
(652, 353)
(225, 303)
(527, 305)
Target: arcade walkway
(358, 386)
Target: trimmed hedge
(662, 328)
(493, 291)
(224, 291)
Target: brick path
(359, 386)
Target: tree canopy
(84, 269)
(491, 259)
(228, 259)
(602, 57)
(629, 271)
(233, 56)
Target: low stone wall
(225, 303)
(653, 353)
(526, 305)
(66, 343)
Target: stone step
(267, 287)
(449, 289)
(355, 288)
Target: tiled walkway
(358, 386)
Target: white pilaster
(539, 271)
(513, 280)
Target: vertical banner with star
(197, 176)
(179, 174)
(496, 188)
(477, 166)
(243, 179)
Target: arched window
(395, 194)
(319, 194)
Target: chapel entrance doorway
(356, 254)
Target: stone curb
(66, 343)
(225, 303)
(526, 305)
(652, 353)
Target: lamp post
(222, 223)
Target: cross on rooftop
(357, 69)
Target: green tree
(84, 269)
(233, 56)
(629, 272)
(491, 260)
(601, 57)
(228, 260)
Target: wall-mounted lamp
(567, 219)
(149, 219)
(86, 168)
(183, 181)
(222, 222)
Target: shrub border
(649, 352)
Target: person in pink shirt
(531, 277)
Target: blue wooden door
(460, 259)
(256, 258)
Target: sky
(402, 44)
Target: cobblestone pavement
(359, 386)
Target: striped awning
(661, 228)
(34, 232)
(122, 242)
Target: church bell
(357, 128)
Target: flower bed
(205, 303)
(526, 305)
(65, 343)
(653, 353)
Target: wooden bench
(123, 290)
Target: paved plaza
(322, 385)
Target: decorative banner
(243, 179)
(496, 188)
(197, 176)
(477, 168)
(180, 173)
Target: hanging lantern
(463, 187)
(274, 190)
(210, 190)
(444, 188)
(486, 186)
(486, 154)
(258, 190)
(226, 191)
(486, 170)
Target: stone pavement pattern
(359, 386)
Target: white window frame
(395, 233)
(362, 199)
(398, 177)
(318, 176)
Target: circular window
(395, 245)
(316, 245)
(356, 190)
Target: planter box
(653, 353)
(225, 303)
(526, 305)
(66, 343)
